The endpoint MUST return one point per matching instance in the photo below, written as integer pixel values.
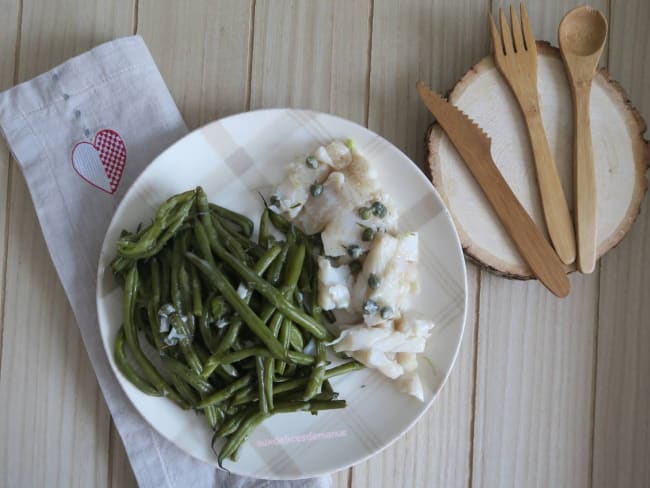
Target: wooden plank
(534, 384)
(435, 42)
(58, 431)
(535, 363)
(622, 399)
(202, 51)
(8, 38)
(312, 55)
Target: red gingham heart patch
(101, 163)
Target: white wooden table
(545, 392)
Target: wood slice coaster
(621, 158)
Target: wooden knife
(474, 147)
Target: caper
(316, 189)
(368, 234)
(373, 281)
(379, 209)
(354, 251)
(386, 312)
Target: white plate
(233, 159)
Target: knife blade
(473, 145)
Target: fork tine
(516, 31)
(496, 37)
(529, 37)
(505, 33)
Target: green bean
(244, 222)
(295, 338)
(188, 375)
(232, 357)
(263, 239)
(183, 373)
(269, 372)
(301, 358)
(245, 395)
(175, 293)
(211, 415)
(289, 385)
(233, 329)
(232, 244)
(185, 343)
(154, 323)
(165, 268)
(275, 270)
(261, 385)
(279, 222)
(195, 284)
(233, 423)
(226, 392)
(203, 242)
(217, 307)
(186, 393)
(290, 278)
(343, 369)
(220, 282)
(312, 406)
(284, 340)
(235, 231)
(267, 259)
(166, 223)
(231, 448)
(152, 375)
(317, 376)
(227, 341)
(270, 293)
(205, 330)
(127, 370)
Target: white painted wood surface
(545, 392)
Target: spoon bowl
(582, 36)
(583, 31)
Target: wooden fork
(516, 58)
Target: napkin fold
(82, 132)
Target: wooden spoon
(582, 36)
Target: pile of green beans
(223, 324)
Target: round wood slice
(621, 158)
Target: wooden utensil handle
(554, 202)
(585, 182)
(528, 239)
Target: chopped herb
(370, 307)
(311, 162)
(365, 213)
(275, 201)
(355, 266)
(373, 281)
(350, 144)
